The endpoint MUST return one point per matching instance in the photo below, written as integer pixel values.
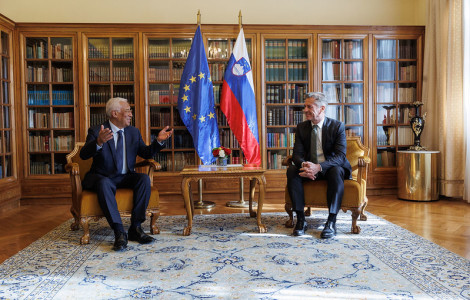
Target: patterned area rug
(225, 258)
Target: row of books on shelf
(98, 51)
(36, 50)
(352, 93)
(123, 51)
(217, 89)
(62, 51)
(386, 93)
(42, 97)
(37, 74)
(276, 49)
(221, 119)
(332, 49)
(280, 139)
(407, 49)
(390, 115)
(101, 73)
(275, 160)
(41, 143)
(276, 116)
(162, 97)
(352, 71)
(277, 72)
(160, 119)
(295, 93)
(38, 119)
(159, 73)
(408, 72)
(217, 71)
(62, 74)
(228, 139)
(353, 131)
(353, 114)
(387, 135)
(62, 120)
(386, 158)
(99, 97)
(44, 167)
(386, 49)
(296, 116)
(98, 118)
(181, 49)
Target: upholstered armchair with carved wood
(354, 198)
(85, 206)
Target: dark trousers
(105, 187)
(334, 195)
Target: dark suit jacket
(333, 145)
(104, 160)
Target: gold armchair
(354, 198)
(85, 206)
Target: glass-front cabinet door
(6, 138)
(397, 73)
(51, 93)
(343, 61)
(286, 80)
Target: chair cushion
(315, 194)
(124, 198)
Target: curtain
(466, 93)
(443, 92)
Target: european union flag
(196, 101)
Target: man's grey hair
(320, 98)
(114, 104)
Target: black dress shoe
(329, 231)
(120, 242)
(300, 228)
(137, 234)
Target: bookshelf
(110, 72)
(286, 80)
(397, 85)
(219, 50)
(165, 64)
(6, 138)
(343, 62)
(50, 93)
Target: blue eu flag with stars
(196, 101)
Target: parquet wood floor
(445, 222)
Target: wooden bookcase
(6, 111)
(344, 65)
(164, 64)
(143, 63)
(287, 76)
(111, 71)
(49, 97)
(397, 83)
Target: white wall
(308, 12)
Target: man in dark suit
(319, 154)
(114, 147)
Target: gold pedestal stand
(241, 203)
(202, 204)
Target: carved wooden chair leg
(153, 222)
(308, 212)
(363, 216)
(85, 239)
(76, 221)
(290, 222)
(354, 228)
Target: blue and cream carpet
(225, 258)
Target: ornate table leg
(252, 196)
(187, 204)
(262, 190)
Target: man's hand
(309, 170)
(104, 135)
(164, 134)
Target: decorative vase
(222, 161)
(417, 126)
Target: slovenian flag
(238, 101)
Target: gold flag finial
(198, 17)
(240, 20)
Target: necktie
(119, 152)
(313, 145)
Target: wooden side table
(195, 173)
(418, 175)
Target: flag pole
(242, 203)
(201, 204)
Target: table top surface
(418, 152)
(229, 169)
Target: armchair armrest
(152, 167)
(363, 162)
(74, 171)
